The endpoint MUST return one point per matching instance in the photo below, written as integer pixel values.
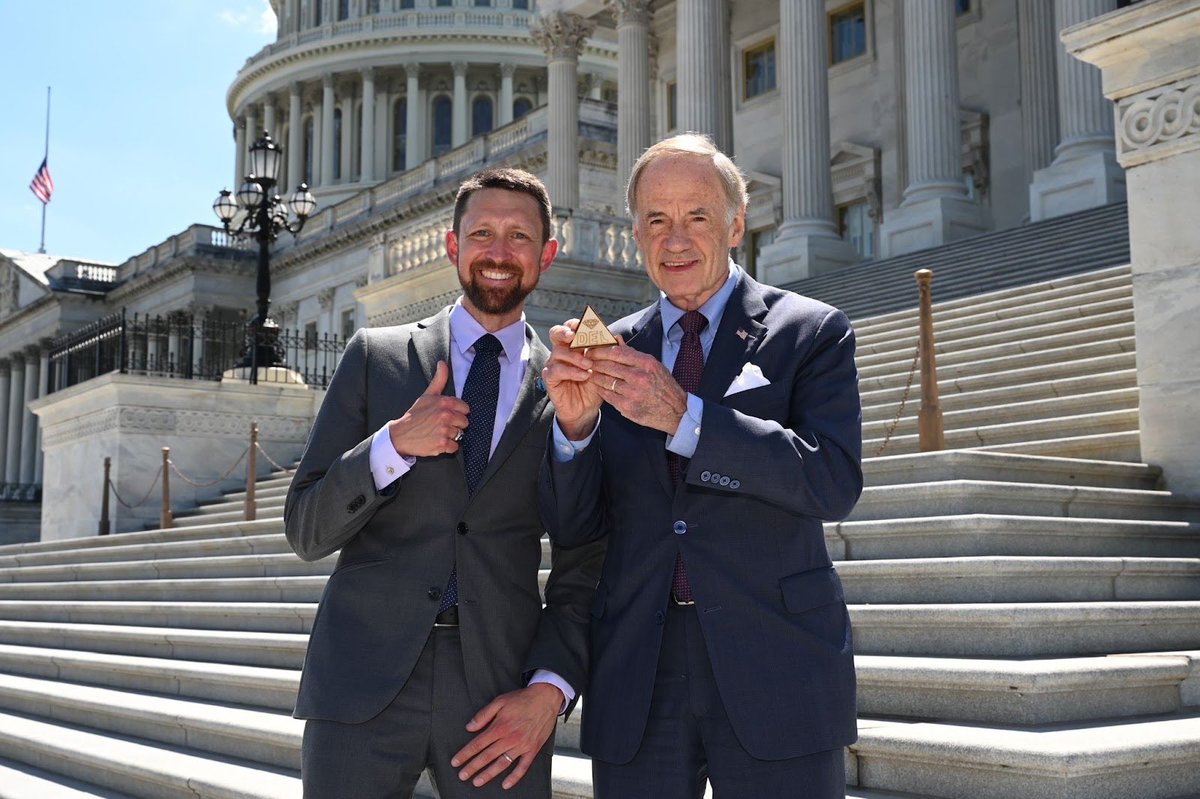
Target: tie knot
(693, 322)
(487, 344)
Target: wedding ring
(614, 385)
(506, 757)
(458, 436)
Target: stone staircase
(1026, 612)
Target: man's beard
(496, 301)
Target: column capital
(327, 80)
(32, 352)
(508, 70)
(17, 359)
(460, 68)
(296, 88)
(630, 12)
(5, 367)
(561, 34)
(325, 297)
(367, 73)
(412, 70)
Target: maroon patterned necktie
(689, 368)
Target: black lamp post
(265, 217)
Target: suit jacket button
(735, 484)
(463, 529)
(679, 527)
(716, 478)
(434, 593)
(725, 479)
(704, 475)
(659, 617)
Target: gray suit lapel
(431, 343)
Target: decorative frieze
(1166, 118)
(164, 421)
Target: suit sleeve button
(735, 484)
(704, 475)
(463, 529)
(725, 480)
(434, 593)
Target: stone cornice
(142, 284)
(1158, 122)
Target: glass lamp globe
(302, 202)
(225, 206)
(250, 194)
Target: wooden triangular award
(592, 332)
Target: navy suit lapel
(737, 338)
(646, 336)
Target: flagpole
(45, 156)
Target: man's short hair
(509, 180)
(697, 144)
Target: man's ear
(549, 250)
(452, 247)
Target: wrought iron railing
(185, 347)
(20, 492)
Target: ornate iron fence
(185, 347)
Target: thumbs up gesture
(434, 422)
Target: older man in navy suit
(708, 447)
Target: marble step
(1001, 534)
(144, 537)
(1123, 445)
(281, 564)
(876, 424)
(1113, 318)
(979, 465)
(215, 515)
(237, 647)
(957, 497)
(254, 617)
(875, 410)
(1141, 759)
(19, 781)
(1025, 629)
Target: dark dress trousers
(771, 464)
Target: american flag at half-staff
(42, 184)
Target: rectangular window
(310, 335)
(343, 10)
(348, 324)
(847, 33)
(758, 240)
(856, 226)
(521, 5)
(407, 4)
(672, 105)
(759, 70)
(962, 7)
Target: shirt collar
(465, 330)
(713, 308)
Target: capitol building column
(269, 117)
(239, 158)
(807, 242)
(1085, 173)
(504, 115)
(367, 148)
(562, 36)
(295, 155)
(5, 382)
(327, 102)
(29, 444)
(633, 82)
(16, 391)
(702, 44)
(936, 208)
(414, 143)
(458, 130)
(1039, 97)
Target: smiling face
(683, 228)
(499, 254)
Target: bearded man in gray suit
(431, 648)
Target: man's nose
(678, 240)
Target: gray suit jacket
(771, 464)
(397, 548)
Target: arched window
(442, 123)
(400, 135)
(337, 144)
(481, 115)
(521, 107)
(309, 147)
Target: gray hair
(732, 182)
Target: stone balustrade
(597, 240)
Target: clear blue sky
(140, 141)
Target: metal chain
(272, 460)
(904, 399)
(194, 484)
(153, 483)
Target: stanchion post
(929, 419)
(165, 516)
(251, 473)
(104, 525)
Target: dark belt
(447, 618)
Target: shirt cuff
(687, 435)
(387, 465)
(565, 449)
(547, 676)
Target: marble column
(505, 112)
(458, 130)
(702, 44)
(1084, 173)
(5, 383)
(29, 447)
(807, 242)
(16, 393)
(1148, 56)
(562, 36)
(253, 132)
(414, 145)
(269, 117)
(367, 170)
(295, 159)
(935, 208)
(1037, 38)
(346, 154)
(633, 83)
(327, 106)
(43, 390)
(239, 155)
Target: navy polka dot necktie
(481, 392)
(688, 370)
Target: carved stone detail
(159, 421)
(560, 34)
(1158, 119)
(635, 12)
(325, 297)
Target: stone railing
(420, 246)
(597, 239)
(196, 240)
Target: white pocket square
(750, 377)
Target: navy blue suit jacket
(772, 463)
